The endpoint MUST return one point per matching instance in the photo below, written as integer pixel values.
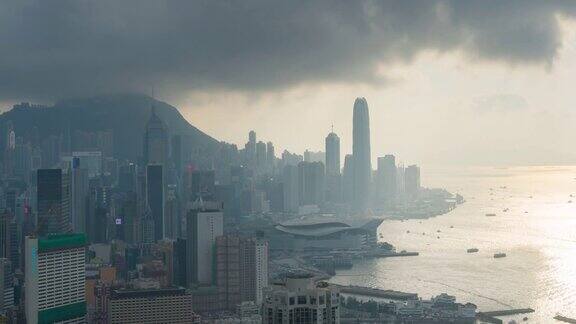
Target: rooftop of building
(146, 293)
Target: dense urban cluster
(183, 236)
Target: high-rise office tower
(361, 153)
(261, 155)
(53, 200)
(412, 181)
(242, 269)
(172, 216)
(332, 154)
(155, 198)
(333, 182)
(270, 156)
(155, 141)
(55, 279)
(176, 154)
(129, 219)
(250, 149)
(5, 234)
(179, 263)
(6, 286)
(386, 179)
(290, 188)
(311, 182)
(79, 190)
(205, 222)
(348, 179)
(201, 185)
(127, 178)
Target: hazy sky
(447, 82)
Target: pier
(374, 292)
(490, 317)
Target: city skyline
(279, 162)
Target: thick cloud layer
(51, 49)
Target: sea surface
(537, 232)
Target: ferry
(499, 255)
(472, 250)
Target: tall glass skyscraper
(361, 154)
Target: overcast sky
(447, 82)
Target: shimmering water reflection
(537, 232)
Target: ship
(564, 319)
(472, 250)
(490, 215)
(499, 255)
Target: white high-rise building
(55, 279)
(205, 222)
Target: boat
(499, 255)
(408, 232)
(438, 231)
(490, 215)
(472, 250)
(437, 237)
(505, 209)
(451, 226)
(565, 319)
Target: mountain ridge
(125, 114)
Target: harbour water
(534, 224)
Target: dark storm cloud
(53, 49)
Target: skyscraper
(261, 155)
(53, 199)
(333, 182)
(386, 179)
(250, 149)
(332, 154)
(55, 279)
(348, 179)
(270, 156)
(6, 286)
(290, 188)
(242, 269)
(412, 181)
(361, 153)
(311, 182)
(79, 190)
(155, 198)
(155, 141)
(205, 222)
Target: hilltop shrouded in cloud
(53, 49)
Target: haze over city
(281, 162)
(449, 82)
